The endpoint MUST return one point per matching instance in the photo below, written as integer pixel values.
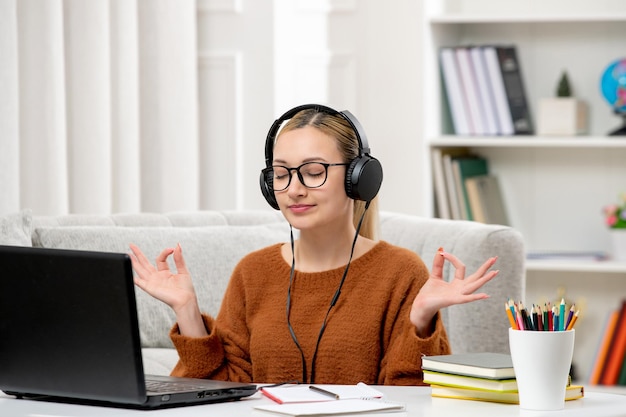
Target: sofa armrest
(482, 325)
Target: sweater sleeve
(224, 353)
(199, 357)
(402, 361)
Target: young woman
(333, 306)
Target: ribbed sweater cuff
(199, 356)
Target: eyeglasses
(310, 174)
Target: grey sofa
(214, 241)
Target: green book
(481, 365)
(465, 167)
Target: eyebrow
(312, 159)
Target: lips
(300, 208)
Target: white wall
(265, 56)
(144, 105)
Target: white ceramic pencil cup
(542, 362)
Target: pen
(323, 391)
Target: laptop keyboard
(171, 386)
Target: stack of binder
(485, 90)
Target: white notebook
(305, 393)
(332, 407)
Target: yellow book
(572, 392)
(462, 381)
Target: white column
(9, 116)
(88, 105)
(126, 189)
(43, 175)
(169, 104)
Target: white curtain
(98, 106)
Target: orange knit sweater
(368, 335)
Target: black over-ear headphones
(364, 175)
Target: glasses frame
(270, 179)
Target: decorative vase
(618, 237)
(561, 116)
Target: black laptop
(69, 332)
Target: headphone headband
(364, 148)
(364, 175)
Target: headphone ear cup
(267, 189)
(364, 177)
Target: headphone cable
(332, 303)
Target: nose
(296, 185)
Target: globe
(613, 87)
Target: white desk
(417, 399)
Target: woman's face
(308, 208)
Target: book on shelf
(572, 392)
(481, 364)
(472, 382)
(452, 188)
(304, 393)
(485, 91)
(454, 91)
(486, 200)
(469, 83)
(464, 167)
(440, 180)
(603, 347)
(617, 350)
(509, 83)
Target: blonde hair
(337, 127)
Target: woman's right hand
(173, 288)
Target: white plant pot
(561, 116)
(618, 238)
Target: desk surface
(417, 399)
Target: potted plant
(562, 115)
(615, 219)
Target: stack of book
(485, 91)
(478, 376)
(465, 189)
(609, 367)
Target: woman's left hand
(437, 293)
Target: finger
(474, 285)
(139, 256)
(161, 260)
(140, 263)
(438, 262)
(179, 261)
(459, 266)
(482, 270)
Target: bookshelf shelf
(599, 142)
(459, 19)
(615, 268)
(554, 188)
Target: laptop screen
(69, 325)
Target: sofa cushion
(211, 254)
(15, 228)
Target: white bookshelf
(554, 187)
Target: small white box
(561, 116)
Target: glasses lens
(313, 174)
(280, 177)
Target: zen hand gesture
(437, 293)
(173, 288)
